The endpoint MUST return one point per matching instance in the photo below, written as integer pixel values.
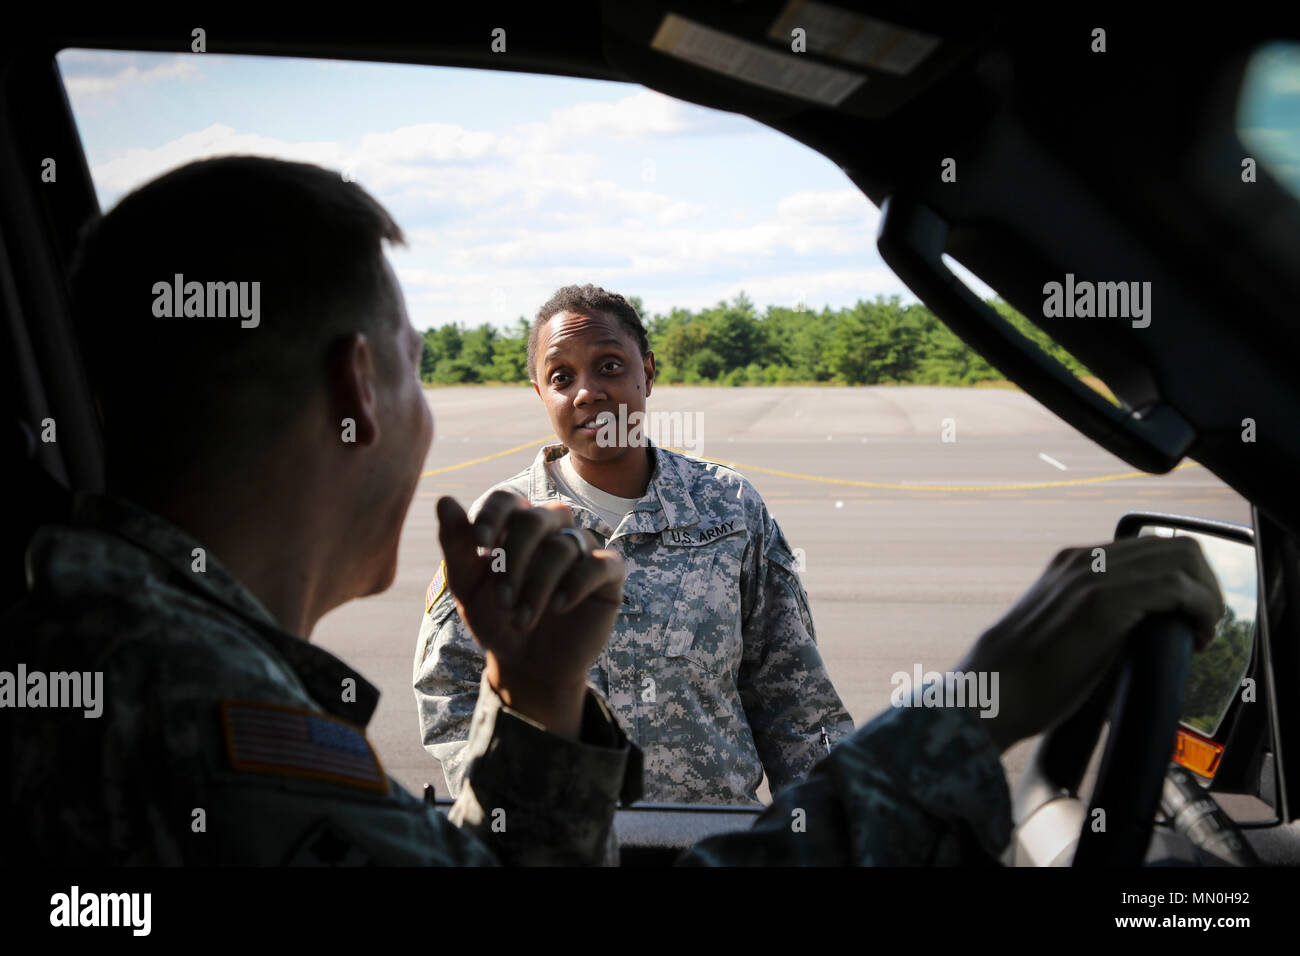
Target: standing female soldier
(713, 666)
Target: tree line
(1214, 678)
(869, 343)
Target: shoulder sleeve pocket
(790, 563)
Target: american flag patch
(436, 587)
(294, 742)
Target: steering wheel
(1144, 692)
(1147, 687)
(1148, 699)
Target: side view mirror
(1217, 676)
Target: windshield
(917, 493)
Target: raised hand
(544, 618)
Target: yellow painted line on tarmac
(740, 466)
(895, 487)
(479, 461)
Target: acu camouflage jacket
(223, 739)
(713, 667)
(191, 668)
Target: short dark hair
(201, 390)
(586, 300)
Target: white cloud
(497, 220)
(1233, 564)
(436, 142)
(844, 205)
(642, 115)
(137, 166)
(643, 234)
(494, 292)
(88, 85)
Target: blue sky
(507, 185)
(510, 185)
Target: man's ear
(648, 362)
(353, 390)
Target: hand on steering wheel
(1155, 598)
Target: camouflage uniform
(712, 668)
(913, 787)
(225, 739)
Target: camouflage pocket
(704, 626)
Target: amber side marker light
(1198, 754)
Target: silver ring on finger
(584, 548)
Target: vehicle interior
(1120, 164)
